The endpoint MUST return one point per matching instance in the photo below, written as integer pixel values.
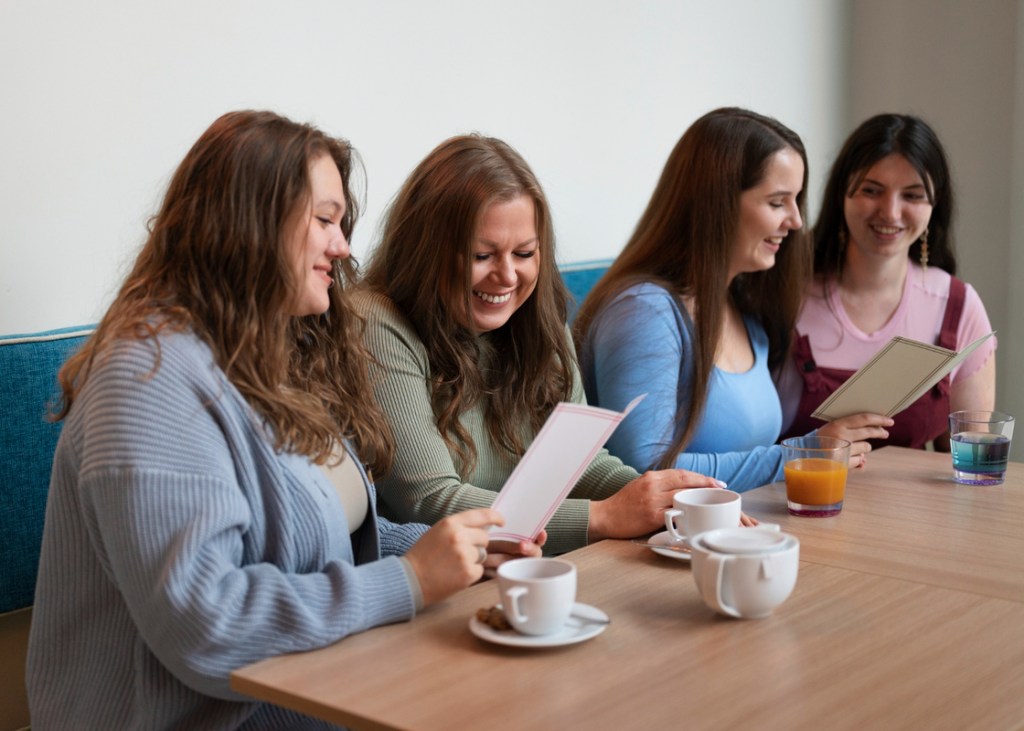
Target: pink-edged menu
(561, 451)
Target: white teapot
(745, 572)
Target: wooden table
(904, 517)
(908, 613)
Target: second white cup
(537, 594)
(702, 509)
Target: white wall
(102, 99)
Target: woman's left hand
(498, 552)
(747, 521)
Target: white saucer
(575, 630)
(665, 538)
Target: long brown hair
(217, 261)
(422, 264)
(684, 240)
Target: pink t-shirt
(837, 343)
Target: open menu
(898, 375)
(555, 461)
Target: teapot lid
(744, 540)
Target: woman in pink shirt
(884, 265)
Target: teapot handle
(712, 583)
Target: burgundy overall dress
(921, 422)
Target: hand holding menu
(898, 375)
(558, 456)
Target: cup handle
(670, 523)
(712, 584)
(512, 604)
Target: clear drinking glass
(816, 469)
(980, 443)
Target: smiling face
(768, 212)
(317, 240)
(505, 262)
(888, 210)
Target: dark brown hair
(684, 241)
(877, 138)
(422, 264)
(218, 262)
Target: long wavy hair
(423, 263)
(684, 242)
(218, 262)
(877, 138)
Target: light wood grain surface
(865, 641)
(904, 517)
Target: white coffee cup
(537, 594)
(702, 509)
(745, 572)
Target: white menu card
(558, 456)
(896, 377)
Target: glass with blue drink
(980, 442)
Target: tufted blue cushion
(579, 278)
(28, 386)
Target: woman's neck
(871, 289)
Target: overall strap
(954, 309)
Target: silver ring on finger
(481, 554)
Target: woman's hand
(639, 507)
(498, 552)
(857, 429)
(447, 557)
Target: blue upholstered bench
(28, 389)
(580, 277)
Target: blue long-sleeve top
(179, 545)
(642, 342)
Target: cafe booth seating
(579, 278)
(28, 437)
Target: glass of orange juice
(815, 470)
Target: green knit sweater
(424, 485)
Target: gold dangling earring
(924, 248)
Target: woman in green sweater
(466, 317)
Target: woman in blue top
(699, 307)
